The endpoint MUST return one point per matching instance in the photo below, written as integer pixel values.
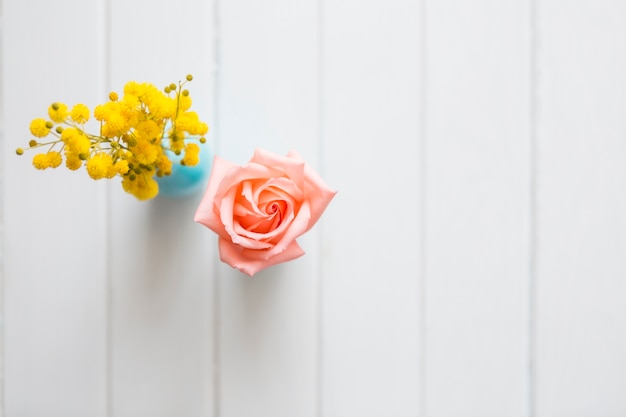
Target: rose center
(269, 214)
(275, 209)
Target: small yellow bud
(173, 86)
(191, 157)
(185, 93)
(202, 140)
(80, 113)
(32, 143)
(19, 151)
(113, 96)
(40, 161)
(167, 89)
(100, 166)
(49, 124)
(121, 166)
(189, 77)
(83, 156)
(54, 159)
(72, 162)
(59, 129)
(58, 112)
(39, 128)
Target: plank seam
(319, 395)
(106, 4)
(532, 241)
(423, 94)
(2, 151)
(216, 276)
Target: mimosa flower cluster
(136, 131)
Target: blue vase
(184, 180)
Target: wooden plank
(477, 208)
(2, 198)
(54, 226)
(268, 98)
(581, 178)
(371, 247)
(162, 261)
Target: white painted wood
(371, 258)
(581, 206)
(2, 198)
(162, 274)
(54, 239)
(268, 98)
(477, 208)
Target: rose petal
(294, 167)
(250, 262)
(284, 186)
(206, 213)
(250, 171)
(298, 226)
(247, 192)
(267, 223)
(316, 191)
(272, 236)
(225, 209)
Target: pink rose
(259, 209)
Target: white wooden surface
(581, 209)
(370, 356)
(54, 266)
(477, 165)
(472, 263)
